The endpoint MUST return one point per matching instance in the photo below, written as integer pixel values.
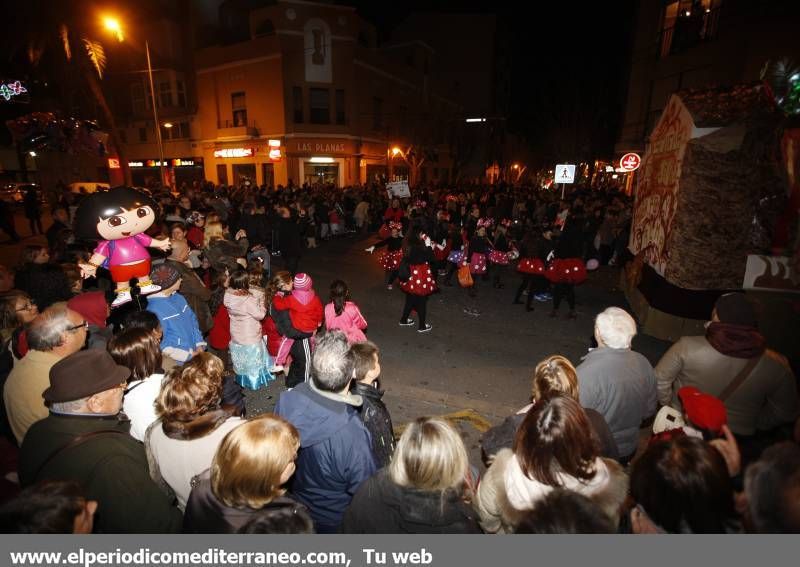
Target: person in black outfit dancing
(390, 260)
(533, 253)
(421, 282)
(568, 248)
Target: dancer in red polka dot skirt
(420, 284)
(390, 259)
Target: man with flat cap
(732, 362)
(87, 440)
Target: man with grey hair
(335, 454)
(55, 334)
(617, 382)
(85, 440)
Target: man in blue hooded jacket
(335, 454)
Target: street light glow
(32, 153)
(396, 151)
(515, 166)
(113, 25)
(167, 124)
(476, 120)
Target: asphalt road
(475, 369)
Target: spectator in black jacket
(423, 491)
(291, 241)
(374, 415)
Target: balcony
(237, 129)
(689, 31)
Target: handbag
(465, 277)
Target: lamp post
(113, 25)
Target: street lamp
(113, 25)
(167, 125)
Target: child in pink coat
(344, 315)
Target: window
(297, 104)
(142, 134)
(377, 114)
(183, 130)
(319, 106)
(239, 106)
(137, 97)
(180, 89)
(340, 111)
(686, 23)
(265, 28)
(177, 131)
(222, 174)
(318, 55)
(165, 94)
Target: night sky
(569, 71)
(570, 67)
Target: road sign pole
(563, 187)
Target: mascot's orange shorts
(124, 273)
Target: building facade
(689, 44)
(299, 92)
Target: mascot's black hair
(103, 205)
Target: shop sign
(275, 150)
(320, 148)
(170, 162)
(630, 162)
(113, 163)
(234, 153)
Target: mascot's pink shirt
(125, 250)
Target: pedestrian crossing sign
(565, 173)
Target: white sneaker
(121, 299)
(149, 288)
(407, 323)
(277, 369)
(427, 328)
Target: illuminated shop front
(146, 172)
(253, 163)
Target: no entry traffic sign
(630, 162)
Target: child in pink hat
(305, 312)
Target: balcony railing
(689, 31)
(237, 128)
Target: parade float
(716, 202)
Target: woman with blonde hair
(221, 252)
(246, 477)
(554, 374)
(553, 448)
(192, 423)
(425, 489)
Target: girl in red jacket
(305, 311)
